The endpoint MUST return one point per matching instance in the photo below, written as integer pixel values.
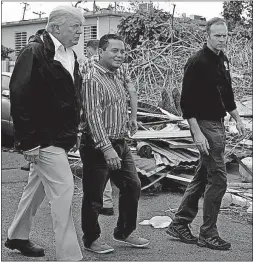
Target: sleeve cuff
(106, 148)
(231, 108)
(188, 115)
(27, 151)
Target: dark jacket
(207, 90)
(44, 99)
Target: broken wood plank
(140, 124)
(157, 116)
(150, 173)
(171, 116)
(177, 144)
(156, 122)
(242, 192)
(240, 185)
(179, 178)
(161, 134)
(243, 165)
(155, 181)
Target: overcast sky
(13, 11)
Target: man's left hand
(241, 128)
(133, 126)
(77, 145)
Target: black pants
(210, 178)
(95, 177)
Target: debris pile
(163, 149)
(157, 65)
(164, 141)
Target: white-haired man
(45, 110)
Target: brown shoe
(26, 247)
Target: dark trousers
(95, 177)
(210, 178)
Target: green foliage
(5, 51)
(238, 12)
(141, 26)
(155, 27)
(156, 59)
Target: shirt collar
(57, 43)
(104, 70)
(211, 53)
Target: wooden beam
(161, 134)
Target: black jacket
(45, 102)
(207, 91)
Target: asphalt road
(162, 247)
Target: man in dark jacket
(45, 111)
(206, 97)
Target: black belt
(86, 139)
(218, 120)
(117, 141)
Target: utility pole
(39, 13)
(25, 8)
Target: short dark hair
(104, 40)
(214, 20)
(93, 43)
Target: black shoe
(26, 167)
(107, 211)
(214, 243)
(182, 232)
(26, 247)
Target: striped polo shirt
(104, 107)
(86, 64)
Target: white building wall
(108, 24)
(8, 34)
(105, 25)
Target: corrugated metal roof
(176, 157)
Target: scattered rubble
(163, 149)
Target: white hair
(60, 14)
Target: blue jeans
(95, 176)
(210, 178)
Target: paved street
(162, 247)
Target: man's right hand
(112, 159)
(32, 156)
(201, 143)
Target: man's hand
(133, 126)
(112, 159)
(239, 124)
(77, 145)
(241, 128)
(32, 156)
(201, 143)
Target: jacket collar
(57, 43)
(211, 54)
(49, 44)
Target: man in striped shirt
(104, 151)
(86, 65)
